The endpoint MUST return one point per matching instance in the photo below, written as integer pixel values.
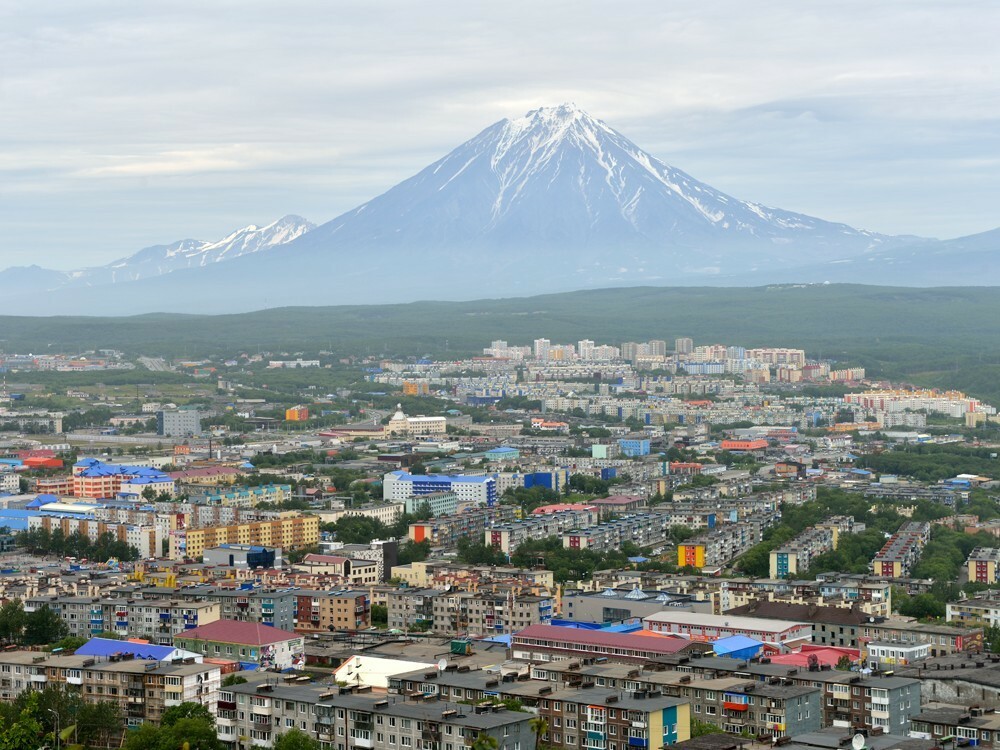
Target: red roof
(234, 631)
(560, 634)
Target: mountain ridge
(552, 201)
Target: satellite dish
(444, 663)
(858, 742)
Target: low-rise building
(707, 627)
(252, 644)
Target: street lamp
(56, 714)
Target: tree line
(44, 542)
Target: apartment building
(761, 710)
(156, 621)
(246, 497)
(902, 550)
(255, 714)
(640, 529)
(982, 565)
(148, 540)
(884, 701)
(445, 531)
(411, 609)
(976, 726)
(270, 606)
(485, 613)
(327, 611)
(724, 543)
(439, 503)
(983, 609)
(288, 533)
(849, 700)
(508, 537)
(477, 490)
(795, 555)
(942, 639)
(596, 718)
(389, 722)
(142, 689)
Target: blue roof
(15, 518)
(41, 500)
(623, 627)
(91, 467)
(734, 643)
(638, 559)
(109, 646)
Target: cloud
(125, 125)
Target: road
(155, 364)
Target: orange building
(296, 414)
(743, 445)
(415, 388)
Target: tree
(12, 620)
(99, 724)
(414, 552)
(485, 742)
(844, 663)
(186, 710)
(380, 615)
(295, 739)
(190, 734)
(69, 643)
(43, 626)
(700, 728)
(540, 727)
(234, 679)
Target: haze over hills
(163, 259)
(552, 201)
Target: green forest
(940, 336)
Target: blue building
(632, 447)
(503, 453)
(400, 486)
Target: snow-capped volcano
(560, 180)
(552, 201)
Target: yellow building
(982, 565)
(691, 554)
(296, 414)
(416, 388)
(287, 533)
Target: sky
(124, 125)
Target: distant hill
(943, 336)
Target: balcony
(733, 706)
(74, 680)
(366, 742)
(638, 742)
(227, 705)
(38, 678)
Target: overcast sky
(124, 125)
